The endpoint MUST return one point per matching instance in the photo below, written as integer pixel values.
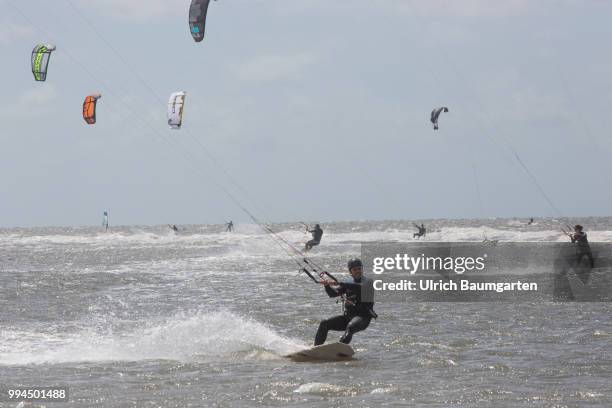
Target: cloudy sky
(306, 110)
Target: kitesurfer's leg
(336, 323)
(581, 253)
(589, 254)
(357, 323)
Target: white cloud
(37, 101)
(531, 104)
(136, 10)
(461, 8)
(466, 8)
(521, 101)
(38, 95)
(10, 32)
(274, 67)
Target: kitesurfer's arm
(350, 286)
(580, 238)
(328, 287)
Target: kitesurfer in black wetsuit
(173, 228)
(530, 221)
(317, 233)
(421, 232)
(229, 226)
(579, 237)
(358, 301)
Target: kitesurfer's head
(317, 226)
(578, 227)
(355, 267)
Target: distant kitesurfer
(421, 232)
(579, 237)
(358, 302)
(229, 227)
(173, 227)
(530, 221)
(317, 233)
(105, 220)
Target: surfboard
(324, 352)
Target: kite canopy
(197, 18)
(89, 108)
(435, 114)
(40, 60)
(175, 109)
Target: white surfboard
(324, 352)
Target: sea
(141, 316)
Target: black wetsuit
(357, 314)
(582, 247)
(230, 227)
(317, 234)
(421, 232)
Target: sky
(306, 110)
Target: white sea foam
(184, 337)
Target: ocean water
(143, 317)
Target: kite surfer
(358, 304)
(229, 226)
(579, 237)
(317, 233)
(105, 220)
(421, 233)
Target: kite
(175, 109)
(89, 108)
(40, 60)
(197, 18)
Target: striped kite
(40, 60)
(175, 109)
